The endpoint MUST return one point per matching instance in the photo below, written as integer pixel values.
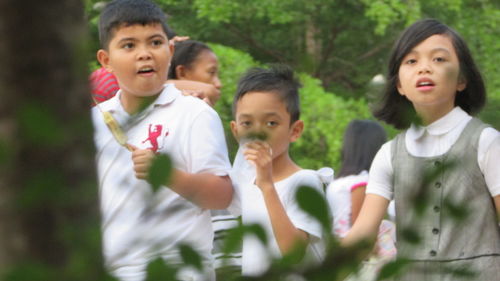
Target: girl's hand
(142, 159)
(259, 153)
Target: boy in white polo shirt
(139, 224)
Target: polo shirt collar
(439, 127)
(166, 97)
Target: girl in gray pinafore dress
(443, 170)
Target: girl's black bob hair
(396, 109)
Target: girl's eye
(128, 45)
(410, 61)
(439, 59)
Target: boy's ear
(296, 130)
(234, 129)
(103, 58)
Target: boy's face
(139, 56)
(264, 112)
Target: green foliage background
(325, 115)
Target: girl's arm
(368, 221)
(207, 92)
(497, 205)
(287, 235)
(357, 198)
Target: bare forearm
(205, 190)
(497, 206)
(287, 235)
(368, 221)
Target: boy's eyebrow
(149, 38)
(267, 114)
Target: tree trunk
(48, 213)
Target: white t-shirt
(338, 194)
(434, 140)
(138, 224)
(249, 201)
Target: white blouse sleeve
(489, 159)
(381, 173)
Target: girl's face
(204, 69)
(429, 76)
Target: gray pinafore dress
(446, 218)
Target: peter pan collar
(439, 127)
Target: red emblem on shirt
(153, 135)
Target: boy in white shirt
(267, 103)
(139, 224)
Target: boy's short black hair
(129, 12)
(396, 109)
(186, 52)
(278, 79)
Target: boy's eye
(245, 123)
(272, 123)
(439, 59)
(157, 42)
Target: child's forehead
(126, 27)
(261, 103)
(433, 43)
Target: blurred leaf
(30, 271)
(392, 269)
(410, 235)
(233, 239)
(461, 272)
(457, 212)
(190, 256)
(160, 171)
(314, 203)
(158, 270)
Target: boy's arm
(204, 179)
(198, 188)
(287, 235)
(206, 190)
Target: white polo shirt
(138, 224)
(434, 140)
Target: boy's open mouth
(145, 70)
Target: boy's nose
(144, 54)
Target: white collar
(114, 106)
(167, 96)
(439, 127)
